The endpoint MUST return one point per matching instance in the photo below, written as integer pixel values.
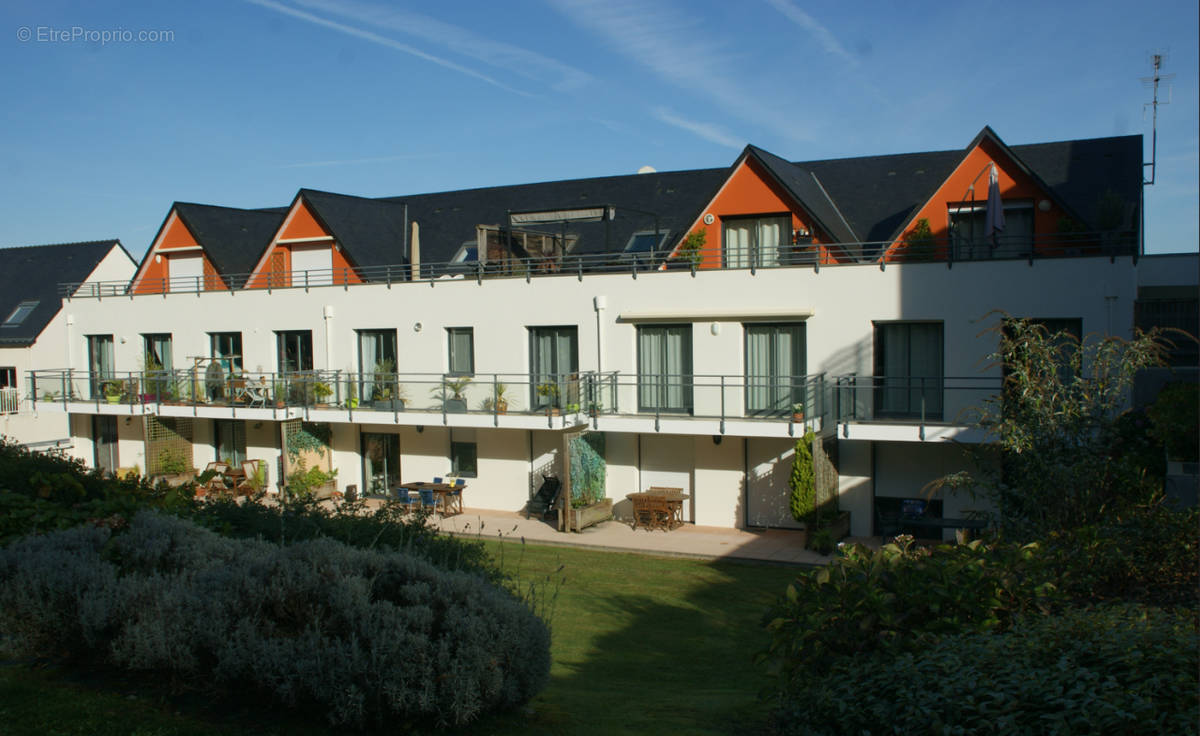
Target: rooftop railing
(787, 255)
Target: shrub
(802, 481)
(365, 637)
(897, 598)
(1117, 669)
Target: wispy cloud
(353, 161)
(708, 131)
(382, 41)
(509, 57)
(677, 48)
(820, 33)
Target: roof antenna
(1157, 60)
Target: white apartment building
(698, 321)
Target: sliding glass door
(775, 365)
(665, 368)
(554, 358)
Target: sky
(111, 111)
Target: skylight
(20, 313)
(468, 253)
(646, 242)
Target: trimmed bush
(1119, 669)
(365, 637)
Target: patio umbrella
(994, 222)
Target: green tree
(1060, 427)
(802, 500)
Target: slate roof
(232, 238)
(33, 273)
(860, 199)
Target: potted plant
(351, 394)
(279, 388)
(112, 391)
(392, 398)
(798, 412)
(498, 402)
(322, 391)
(549, 391)
(451, 393)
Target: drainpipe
(327, 313)
(599, 303)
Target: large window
(665, 368)
(227, 348)
(461, 350)
(554, 358)
(104, 443)
(377, 364)
(755, 241)
(968, 231)
(381, 462)
(775, 368)
(908, 369)
(100, 363)
(229, 441)
(157, 365)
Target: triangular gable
(752, 189)
(967, 183)
(154, 271)
(302, 227)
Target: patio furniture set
(439, 496)
(658, 508)
(229, 479)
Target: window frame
(885, 395)
(539, 374)
(753, 257)
(463, 446)
(776, 405)
(454, 367)
(655, 389)
(974, 247)
(236, 360)
(16, 318)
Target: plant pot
(113, 399)
(580, 518)
(797, 417)
(501, 407)
(456, 406)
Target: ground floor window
(381, 462)
(464, 453)
(229, 441)
(104, 441)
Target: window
(665, 368)
(775, 368)
(554, 357)
(20, 313)
(295, 351)
(229, 441)
(157, 352)
(104, 443)
(468, 253)
(464, 453)
(646, 242)
(312, 265)
(100, 363)
(1068, 334)
(908, 369)
(755, 241)
(227, 347)
(381, 462)
(185, 271)
(8, 377)
(462, 350)
(377, 364)
(1168, 308)
(968, 234)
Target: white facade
(734, 467)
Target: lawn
(641, 645)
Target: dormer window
(647, 241)
(468, 253)
(19, 314)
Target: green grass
(640, 645)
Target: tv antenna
(1157, 60)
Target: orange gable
(302, 224)
(749, 191)
(1015, 184)
(154, 274)
(274, 270)
(177, 236)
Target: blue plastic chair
(427, 499)
(437, 480)
(404, 498)
(460, 482)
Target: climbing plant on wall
(588, 469)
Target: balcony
(912, 409)
(10, 401)
(609, 401)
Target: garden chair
(428, 500)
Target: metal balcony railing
(794, 399)
(783, 255)
(917, 400)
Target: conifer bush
(365, 637)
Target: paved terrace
(781, 546)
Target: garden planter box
(583, 517)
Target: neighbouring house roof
(232, 238)
(33, 274)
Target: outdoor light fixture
(1044, 205)
(420, 428)
(717, 439)
(416, 326)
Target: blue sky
(249, 101)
